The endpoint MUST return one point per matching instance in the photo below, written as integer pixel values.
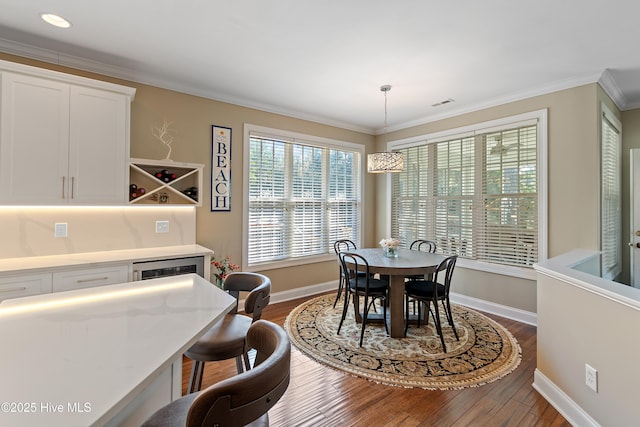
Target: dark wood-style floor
(321, 396)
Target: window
(303, 193)
(611, 195)
(475, 191)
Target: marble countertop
(88, 259)
(96, 348)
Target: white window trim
(538, 116)
(307, 139)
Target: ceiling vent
(446, 101)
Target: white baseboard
(475, 303)
(305, 291)
(498, 309)
(563, 403)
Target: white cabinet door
(34, 140)
(24, 285)
(61, 142)
(89, 277)
(98, 154)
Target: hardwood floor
(321, 396)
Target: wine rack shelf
(165, 182)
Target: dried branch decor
(164, 134)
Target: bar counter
(109, 355)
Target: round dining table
(407, 263)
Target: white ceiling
(326, 60)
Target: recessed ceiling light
(55, 20)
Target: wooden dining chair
(342, 245)
(362, 285)
(431, 291)
(421, 245)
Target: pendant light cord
(385, 89)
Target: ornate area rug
(486, 350)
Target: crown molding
(518, 96)
(609, 85)
(53, 57)
(46, 55)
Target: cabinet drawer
(23, 286)
(90, 277)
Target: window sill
(272, 265)
(505, 270)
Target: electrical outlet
(61, 229)
(162, 226)
(591, 377)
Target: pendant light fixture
(389, 161)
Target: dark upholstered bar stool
(242, 400)
(227, 338)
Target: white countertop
(48, 263)
(97, 346)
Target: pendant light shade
(385, 162)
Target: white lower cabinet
(24, 285)
(89, 277)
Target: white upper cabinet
(63, 139)
(98, 154)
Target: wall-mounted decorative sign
(220, 169)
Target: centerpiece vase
(390, 252)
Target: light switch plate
(591, 377)
(162, 226)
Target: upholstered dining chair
(227, 338)
(244, 399)
(431, 291)
(361, 285)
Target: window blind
(302, 197)
(476, 195)
(611, 196)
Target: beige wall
(573, 173)
(191, 118)
(576, 327)
(572, 189)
